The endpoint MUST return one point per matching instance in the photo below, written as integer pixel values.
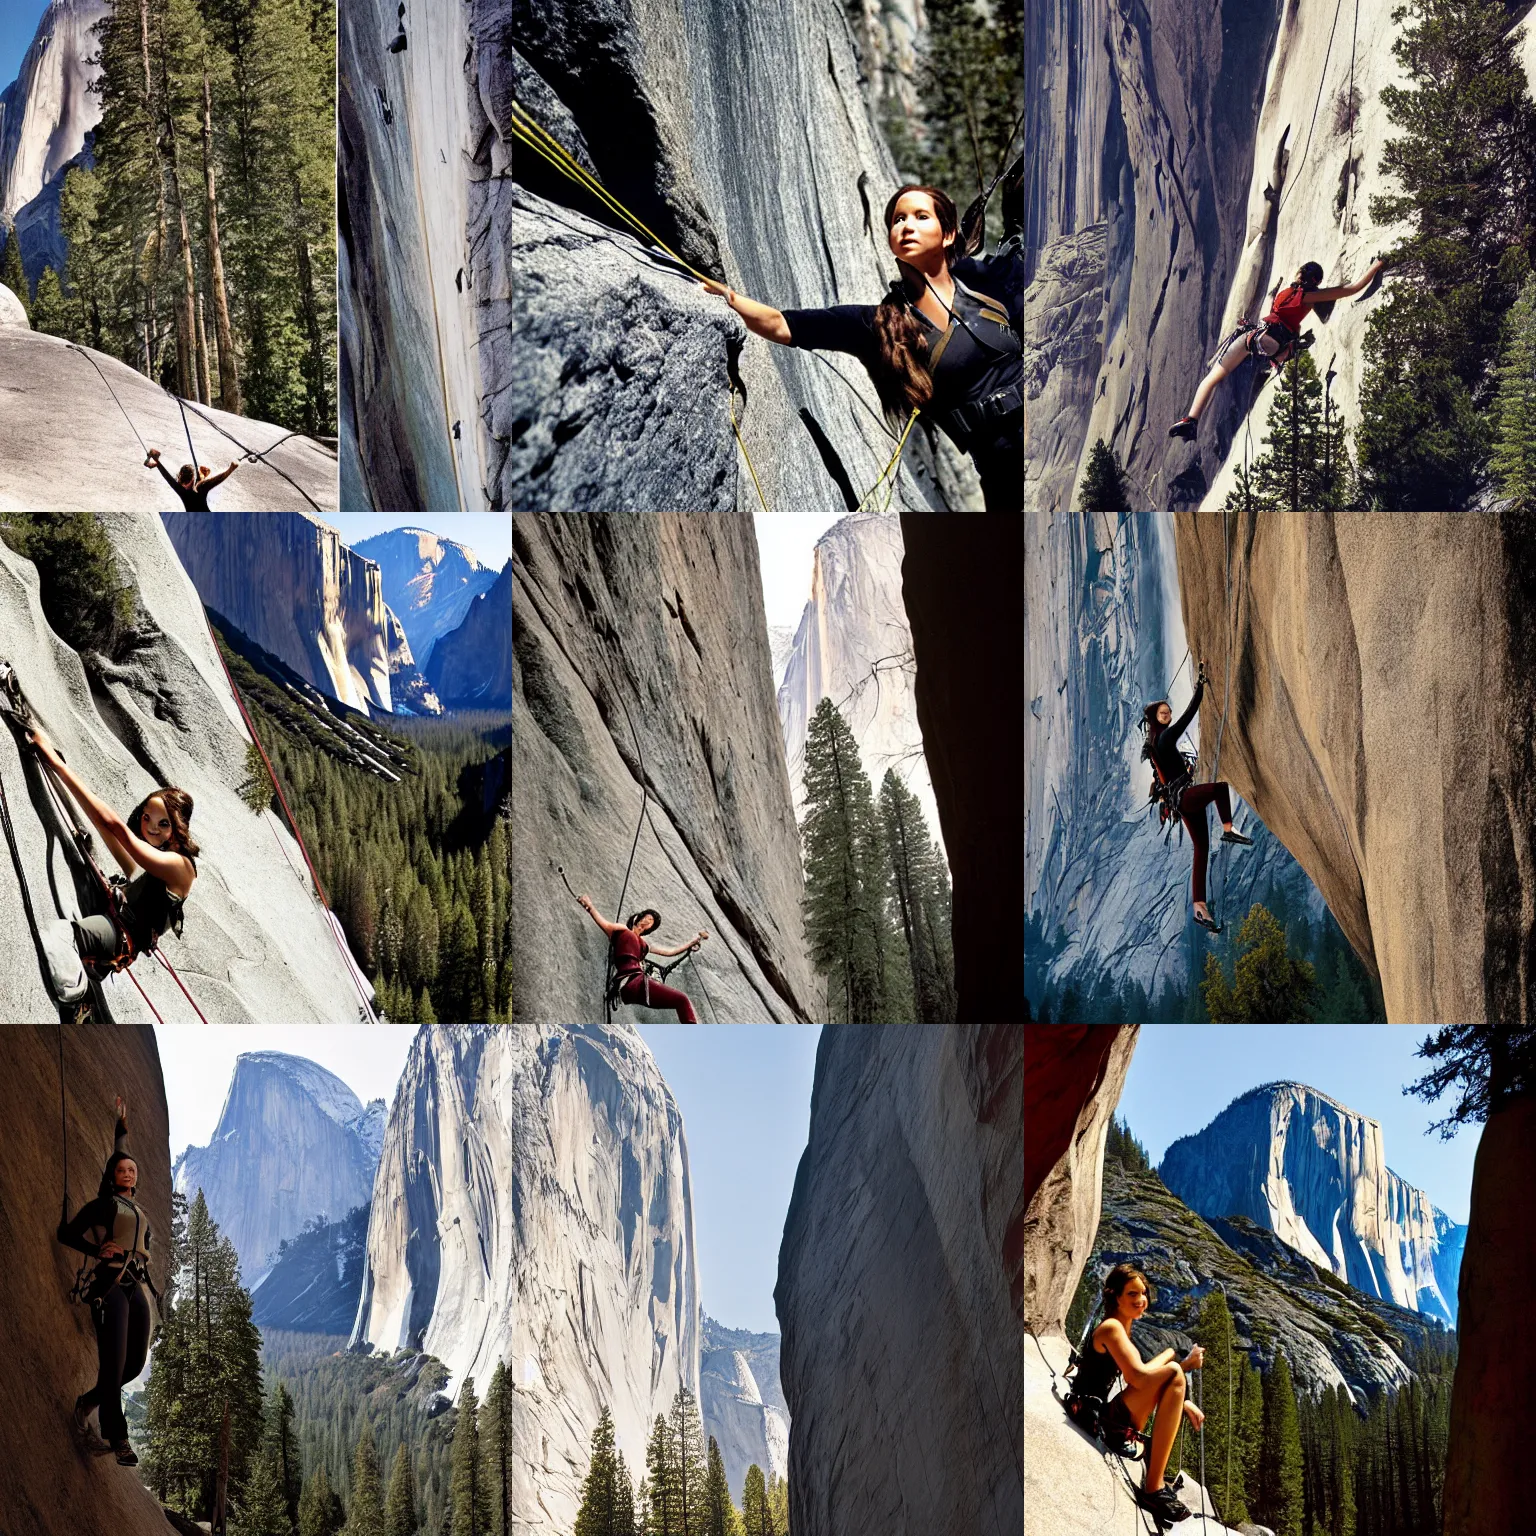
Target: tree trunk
(317, 371)
(186, 316)
(152, 259)
(229, 368)
(204, 383)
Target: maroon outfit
(629, 950)
(1169, 766)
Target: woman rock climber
(1273, 340)
(114, 1231)
(157, 840)
(629, 953)
(1172, 776)
(1157, 1383)
(947, 340)
(192, 485)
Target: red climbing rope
(155, 951)
(293, 820)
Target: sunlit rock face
(429, 582)
(293, 1143)
(409, 691)
(1314, 1172)
(288, 581)
(471, 667)
(742, 1403)
(45, 114)
(854, 646)
(533, 1205)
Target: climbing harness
(366, 1011)
(527, 131)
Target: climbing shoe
(1208, 922)
(1237, 837)
(1185, 427)
(1165, 1504)
(125, 1457)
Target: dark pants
(96, 939)
(661, 996)
(1192, 804)
(1000, 463)
(122, 1342)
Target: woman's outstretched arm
(1181, 725)
(602, 922)
(761, 319)
(1327, 295)
(213, 480)
(681, 949)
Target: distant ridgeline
(1314, 1172)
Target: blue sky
(18, 22)
(489, 534)
(1183, 1075)
(745, 1095)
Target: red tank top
(628, 951)
(1290, 307)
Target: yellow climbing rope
(536, 138)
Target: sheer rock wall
(659, 619)
(471, 666)
(533, 1205)
(900, 1284)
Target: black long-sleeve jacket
(1165, 744)
(114, 1217)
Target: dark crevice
(829, 458)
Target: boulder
(12, 312)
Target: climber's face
(1133, 1299)
(125, 1176)
(1164, 715)
(915, 233)
(155, 823)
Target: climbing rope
(1322, 81)
(531, 134)
(70, 346)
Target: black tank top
(1096, 1375)
(151, 909)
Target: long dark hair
(178, 809)
(900, 369)
(1115, 1283)
(1150, 731)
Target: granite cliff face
(293, 1142)
(582, 369)
(1369, 654)
(66, 446)
(409, 691)
(429, 581)
(903, 1246)
(742, 1403)
(1187, 161)
(47, 1486)
(45, 114)
(1314, 1173)
(660, 618)
(854, 646)
(533, 1205)
(1104, 637)
(289, 582)
(316, 1278)
(256, 946)
(471, 666)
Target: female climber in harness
(947, 340)
(155, 844)
(1274, 340)
(1156, 1383)
(1178, 797)
(114, 1231)
(630, 955)
(190, 483)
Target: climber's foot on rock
(1164, 1503)
(124, 1453)
(1185, 427)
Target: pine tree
(663, 1504)
(756, 1517)
(1280, 1481)
(1305, 464)
(624, 1512)
(282, 1443)
(1514, 411)
(366, 1515)
(496, 1451)
(720, 1514)
(599, 1511)
(845, 875)
(262, 1509)
(11, 273)
(320, 1511)
(689, 1462)
(52, 312)
(1270, 985)
(1222, 1402)
(921, 896)
(778, 1503)
(400, 1507)
(1103, 488)
(471, 1507)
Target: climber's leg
(661, 996)
(111, 1316)
(1170, 1412)
(97, 940)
